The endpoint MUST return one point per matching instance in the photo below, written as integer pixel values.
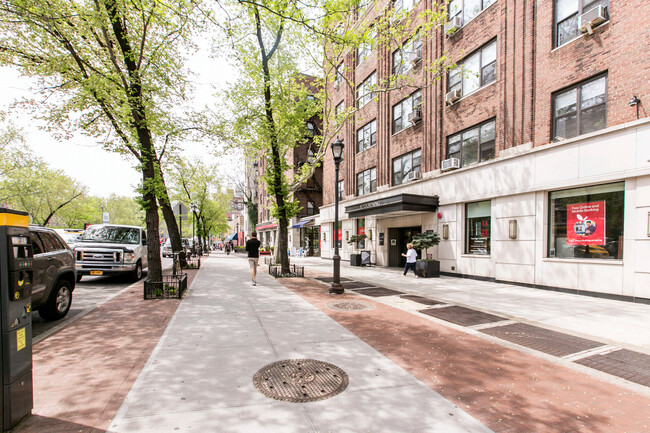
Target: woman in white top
(411, 256)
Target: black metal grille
(172, 286)
(294, 271)
(300, 380)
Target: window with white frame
(402, 109)
(473, 145)
(311, 208)
(566, 18)
(406, 164)
(367, 136)
(404, 5)
(367, 181)
(311, 129)
(467, 9)
(580, 109)
(365, 48)
(340, 191)
(338, 78)
(404, 58)
(476, 71)
(366, 90)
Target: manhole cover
(300, 380)
(350, 306)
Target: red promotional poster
(585, 223)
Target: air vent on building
(415, 57)
(592, 18)
(454, 24)
(450, 164)
(452, 96)
(414, 175)
(415, 116)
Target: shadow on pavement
(37, 423)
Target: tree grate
(300, 380)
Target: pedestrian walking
(411, 257)
(253, 250)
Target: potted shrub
(426, 268)
(355, 258)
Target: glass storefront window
(478, 228)
(361, 230)
(587, 222)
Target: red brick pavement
(507, 390)
(83, 373)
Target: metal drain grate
(300, 380)
(378, 291)
(350, 306)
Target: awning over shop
(302, 223)
(400, 202)
(266, 227)
(232, 237)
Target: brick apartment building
(516, 160)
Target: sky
(81, 157)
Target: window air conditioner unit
(450, 164)
(415, 116)
(454, 24)
(452, 96)
(414, 175)
(415, 57)
(592, 18)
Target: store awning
(302, 223)
(266, 227)
(400, 202)
(232, 237)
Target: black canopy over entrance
(400, 202)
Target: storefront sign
(585, 223)
(393, 242)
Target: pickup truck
(108, 249)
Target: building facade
(531, 157)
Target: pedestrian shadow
(38, 423)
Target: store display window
(478, 227)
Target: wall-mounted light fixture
(445, 231)
(370, 235)
(634, 102)
(512, 229)
(324, 237)
(347, 235)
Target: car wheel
(137, 274)
(59, 302)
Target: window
(365, 91)
(311, 208)
(339, 236)
(37, 244)
(367, 181)
(467, 9)
(476, 71)
(365, 48)
(361, 230)
(473, 145)
(404, 5)
(587, 222)
(405, 164)
(340, 190)
(402, 57)
(566, 17)
(477, 228)
(367, 136)
(311, 129)
(402, 110)
(338, 112)
(338, 79)
(581, 109)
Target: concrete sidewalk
(200, 376)
(619, 323)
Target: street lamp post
(337, 152)
(193, 207)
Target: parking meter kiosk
(16, 272)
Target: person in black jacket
(253, 250)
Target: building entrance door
(397, 240)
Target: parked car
(54, 274)
(70, 236)
(167, 249)
(109, 249)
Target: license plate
(96, 272)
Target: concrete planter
(428, 268)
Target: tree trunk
(153, 223)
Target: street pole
(180, 222)
(336, 288)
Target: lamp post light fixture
(337, 152)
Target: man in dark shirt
(253, 250)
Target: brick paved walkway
(509, 391)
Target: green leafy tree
(423, 241)
(114, 70)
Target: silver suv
(54, 274)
